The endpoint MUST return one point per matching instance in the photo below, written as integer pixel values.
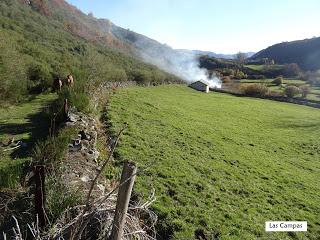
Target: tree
(292, 70)
(305, 90)
(241, 57)
(278, 81)
(291, 91)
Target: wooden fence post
(65, 110)
(126, 184)
(40, 196)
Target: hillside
(221, 165)
(306, 53)
(40, 40)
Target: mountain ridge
(305, 53)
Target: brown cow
(69, 81)
(57, 84)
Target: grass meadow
(314, 91)
(25, 122)
(221, 165)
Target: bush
(240, 75)
(292, 70)
(40, 78)
(312, 78)
(52, 150)
(278, 81)
(254, 89)
(291, 91)
(226, 79)
(305, 90)
(76, 97)
(13, 78)
(59, 196)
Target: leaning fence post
(126, 184)
(40, 196)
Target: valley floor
(221, 165)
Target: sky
(221, 26)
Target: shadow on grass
(37, 126)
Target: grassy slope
(24, 122)
(220, 164)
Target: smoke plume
(182, 64)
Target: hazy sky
(222, 26)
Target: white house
(200, 86)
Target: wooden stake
(126, 184)
(65, 110)
(40, 196)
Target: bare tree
(241, 57)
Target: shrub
(76, 97)
(141, 77)
(291, 91)
(240, 75)
(52, 150)
(305, 90)
(312, 78)
(226, 79)
(13, 79)
(254, 89)
(59, 196)
(278, 81)
(40, 77)
(292, 70)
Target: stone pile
(81, 161)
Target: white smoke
(182, 64)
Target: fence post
(65, 109)
(126, 184)
(40, 196)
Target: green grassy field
(262, 67)
(313, 95)
(269, 81)
(25, 122)
(221, 165)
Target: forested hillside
(306, 53)
(40, 40)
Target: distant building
(200, 86)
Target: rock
(72, 117)
(85, 144)
(84, 136)
(75, 147)
(94, 136)
(101, 188)
(93, 154)
(68, 124)
(85, 179)
(76, 142)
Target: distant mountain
(306, 53)
(212, 54)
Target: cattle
(69, 81)
(57, 84)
